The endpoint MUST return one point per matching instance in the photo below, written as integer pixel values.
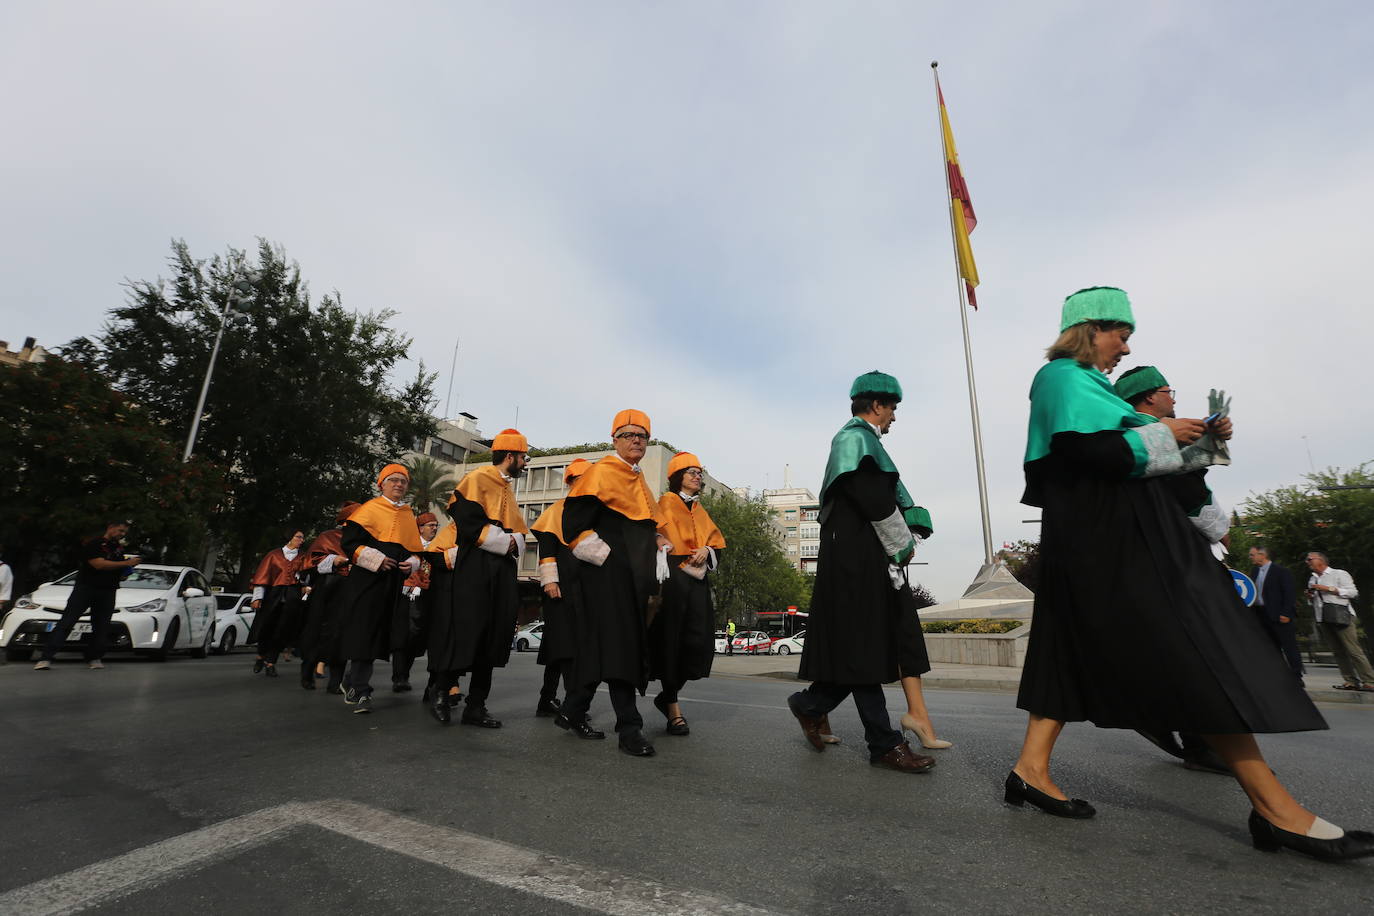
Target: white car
(528, 637)
(752, 642)
(233, 621)
(788, 646)
(722, 642)
(158, 609)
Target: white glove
(1217, 403)
(661, 564)
(895, 574)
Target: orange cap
(575, 469)
(390, 469)
(683, 460)
(510, 440)
(424, 518)
(344, 512)
(630, 417)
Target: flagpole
(968, 349)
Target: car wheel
(522, 645)
(18, 655)
(784, 650)
(160, 653)
(204, 648)
(226, 643)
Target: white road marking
(493, 861)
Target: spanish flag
(961, 208)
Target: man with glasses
(1330, 590)
(610, 521)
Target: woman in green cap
(1136, 625)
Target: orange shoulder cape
(550, 521)
(446, 538)
(688, 529)
(618, 487)
(486, 487)
(387, 522)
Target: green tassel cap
(1138, 381)
(1096, 303)
(878, 384)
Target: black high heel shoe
(1019, 792)
(1356, 844)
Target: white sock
(1324, 830)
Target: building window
(810, 515)
(790, 515)
(792, 548)
(791, 531)
(810, 550)
(810, 531)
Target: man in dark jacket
(1277, 598)
(869, 529)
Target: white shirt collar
(290, 554)
(633, 467)
(876, 431)
(688, 499)
(398, 505)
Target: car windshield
(226, 602)
(153, 579)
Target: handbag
(1338, 615)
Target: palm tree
(431, 483)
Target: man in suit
(1276, 597)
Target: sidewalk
(1320, 678)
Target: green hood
(1069, 397)
(856, 441)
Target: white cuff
(548, 573)
(696, 572)
(451, 557)
(327, 564)
(1213, 521)
(494, 540)
(1161, 450)
(370, 558)
(711, 561)
(591, 549)
(258, 592)
(661, 564)
(893, 533)
(519, 546)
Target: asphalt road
(194, 786)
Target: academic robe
(410, 624)
(280, 613)
(1135, 625)
(611, 501)
(682, 633)
(319, 638)
(862, 630)
(557, 643)
(369, 598)
(485, 596)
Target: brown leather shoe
(810, 725)
(826, 734)
(904, 760)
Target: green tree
(431, 483)
(1023, 562)
(77, 454)
(302, 411)
(1291, 521)
(754, 574)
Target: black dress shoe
(636, 745)
(334, 689)
(270, 671)
(1356, 844)
(1019, 792)
(548, 708)
(441, 712)
(400, 687)
(582, 729)
(426, 696)
(308, 684)
(454, 699)
(479, 717)
(258, 665)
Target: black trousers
(100, 602)
(1288, 641)
(552, 672)
(627, 718)
(401, 660)
(670, 690)
(820, 698)
(479, 687)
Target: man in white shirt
(6, 585)
(1330, 591)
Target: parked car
(233, 622)
(752, 642)
(158, 609)
(788, 645)
(528, 637)
(722, 642)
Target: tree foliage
(431, 483)
(1291, 521)
(77, 454)
(754, 574)
(302, 410)
(1023, 562)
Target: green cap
(1139, 380)
(876, 384)
(1096, 303)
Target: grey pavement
(740, 815)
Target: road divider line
(503, 864)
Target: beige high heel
(926, 738)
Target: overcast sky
(721, 212)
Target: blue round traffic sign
(1245, 587)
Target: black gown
(611, 636)
(483, 601)
(1136, 624)
(861, 629)
(682, 642)
(560, 614)
(368, 600)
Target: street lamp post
(243, 286)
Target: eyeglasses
(396, 478)
(636, 437)
(1169, 391)
(694, 472)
